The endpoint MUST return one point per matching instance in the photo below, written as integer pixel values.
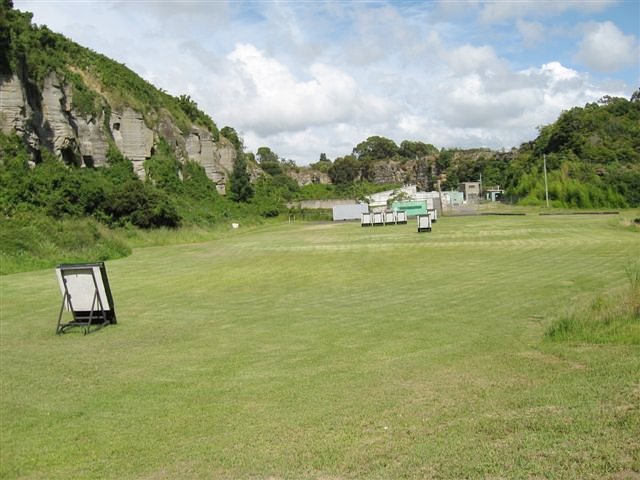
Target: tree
(5, 37)
(410, 149)
(163, 169)
(230, 134)
(266, 155)
(268, 161)
(375, 148)
(240, 189)
(344, 170)
(323, 165)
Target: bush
(31, 240)
(611, 318)
(142, 205)
(163, 169)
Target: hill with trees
(592, 155)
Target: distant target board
(389, 218)
(424, 223)
(365, 220)
(86, 293)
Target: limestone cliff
(46, 118)
(307, 176)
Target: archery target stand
(87, 295)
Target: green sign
(412, 208)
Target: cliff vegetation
(33, 52)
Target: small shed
(452, 198)
(493, 194)
(471, 190)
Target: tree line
(592, 155)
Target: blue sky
(305, 77)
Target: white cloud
(498, 11)
(606, 49)
(467, 59)
(503, 109)
(261, 94)
(532, 33)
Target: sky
(311, 77)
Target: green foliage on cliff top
(39, 51)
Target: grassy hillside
(332, 351)
(99, 83)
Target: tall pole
(546, 187)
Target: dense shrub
(29, 239)
(140, 204)
(164, 170)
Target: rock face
(13, 105)
(58, 125)
(420, 172)
(48, 120)
(388, 172)
(133, 138)
(308, 177)
(92, 141)
(215, 157)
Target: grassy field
(331, 351)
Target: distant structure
(452, 198)
(493, 193)
(408, 196)
(471, 191)
(349, 212)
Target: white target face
(82, 285)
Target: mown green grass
(331, 351)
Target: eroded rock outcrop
(388, 172)
(308, 177)
(58, 123)
(50, 121)
(215, 157)
(92, 141)
(13, 105)
(133, 138)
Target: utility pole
(546, 187)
